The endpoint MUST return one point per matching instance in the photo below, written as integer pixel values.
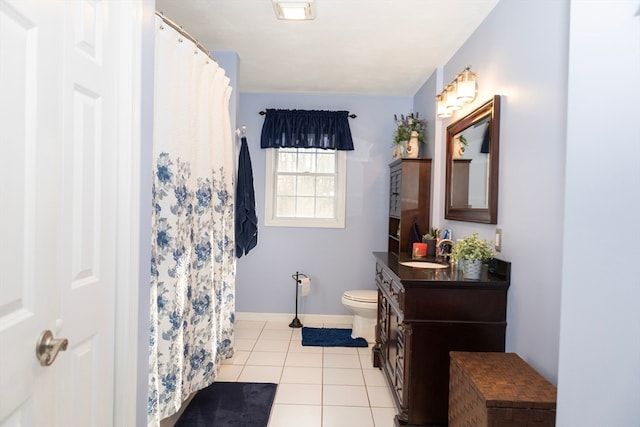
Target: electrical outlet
(498, 242)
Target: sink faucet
(439, 247)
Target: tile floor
(317, 386)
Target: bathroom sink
(423, 264)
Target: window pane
(286, 207)
(306, 161)
(305, 207)
(326, 162)
(286, 185)
(306, 186)
(286, 161)
(325, 186)
(324, 207)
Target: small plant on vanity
(431, 239)
(472, 251)
(433, 234)
(473, 248)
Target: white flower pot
(413, 146)
(471, 269)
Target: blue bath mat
(330, 337)
(227, 404)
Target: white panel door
(58, 159)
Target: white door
(58, 159)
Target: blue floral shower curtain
(193, 258)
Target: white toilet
(364, 305)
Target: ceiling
(359, 47)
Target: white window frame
(272, 220)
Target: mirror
(472, 165)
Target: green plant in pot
(472, 251)
(409, 131)
(431, 239)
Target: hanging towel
(246, 220)
(486, 139)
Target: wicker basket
(496, 390)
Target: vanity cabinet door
(394, 191)
(382, 328)
(399, 362)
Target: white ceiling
(361, 47)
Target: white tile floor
(317, 386)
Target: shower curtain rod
(184, 33)
(262, 113)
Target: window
(305, 187)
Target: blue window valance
(328, 130)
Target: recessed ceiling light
(294, 10)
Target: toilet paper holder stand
(296, 323)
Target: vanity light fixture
(462, 90)
(453, 102)
(441, 102)
(466, 85)
(294, 10)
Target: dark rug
(330, 337)
(226, 404)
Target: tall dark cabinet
(409, 201)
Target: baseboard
(304, 318)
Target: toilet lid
(361, 296)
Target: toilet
(364, 306)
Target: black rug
(226, 404)
(330, 337)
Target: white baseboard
(311, 319)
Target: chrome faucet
(439, 247)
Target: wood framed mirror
(473, 144)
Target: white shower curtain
(193, 261)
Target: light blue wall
(520, 52)
(565, 172)
(600, 322)
(335, 259)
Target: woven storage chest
(498, 390)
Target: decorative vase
(399, 150)
(413, 147)
(471, 269)
(458, 149)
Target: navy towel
(246, 219)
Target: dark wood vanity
(423, 314)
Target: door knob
(47, 347)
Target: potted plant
(431, 239)
(472, 251)
(410, 130)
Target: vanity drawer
(396, 292)
(477, 304)
(390, 289)
(384, 279)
